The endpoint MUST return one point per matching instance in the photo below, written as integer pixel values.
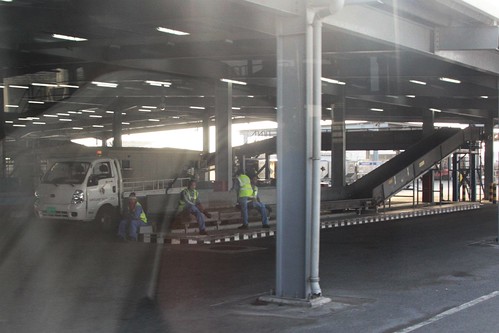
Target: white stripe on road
(450, 312)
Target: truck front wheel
(107, 218)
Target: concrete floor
(382, 277)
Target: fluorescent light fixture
(68, 86)
(44, 84)
(9, 122)
(377, 109)
(1, 87)
(18, 86)
(234, 81)
(23, 119)
(152, 119)
(410, 96)
(98, 126)
(88, 111)
(110, 112)
(50, 116)
(176, 117)
(448, 79)
(435, 110)
(63, 114)
(392, 96)
(77, 128)
(236, 108)
(149, 107)
(159, 83)
(39, 123)
(172, 31)
(19, 125)
(94, 116)
(329, 109)
(484, 97)
(36, 102)
(418, 82)
(251, 96)
(144, 110)
(72, 112)
(105, 84)
(65, 119)
(333, 81)
(125, 123)
(7, 0)
(123, 113)
(70, 38)
(11, 106)
(197, 107)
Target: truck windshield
(66, 173)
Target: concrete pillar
(2, 159)
(267, 166)
(455, 178)
(488, 159)
(338, 149)
(427, 179)
(295, 163)
(117, 128)
(206, 132)
(473, 176)
(223, 123)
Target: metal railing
(154, 185)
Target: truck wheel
(106, 218)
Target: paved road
(432, 274)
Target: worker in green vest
(133, 219)
(244, 191)
(189, 203)
(255, 202)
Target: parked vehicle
(85, 189)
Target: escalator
(395, 174)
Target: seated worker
(256, 203)
(133, 218)
(244, 191)
(189, 203)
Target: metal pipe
(314, 33)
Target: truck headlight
(78, 197)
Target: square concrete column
(427, 179)
(223, 123)
(488, 162)
(294, 162)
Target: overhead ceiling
(376, 49)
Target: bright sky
(184, 139)
(490, 7)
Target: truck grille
(57, 213)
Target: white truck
(84, 189)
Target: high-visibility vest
(245, 189)
(189, 195)
(142, 216)
(255, 191)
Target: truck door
(102, 188)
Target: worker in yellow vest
(189, 203)
(255, 202)
(133, 218)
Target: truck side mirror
(92, 180)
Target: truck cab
(84, 189)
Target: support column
(206, 132)
(455, 178)
(472, 177)
(267, 166)
(338, 143)
(223, 119)
(427, 179)
(488, 159)
(295, 164)
(2, 159)
(117, 129)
